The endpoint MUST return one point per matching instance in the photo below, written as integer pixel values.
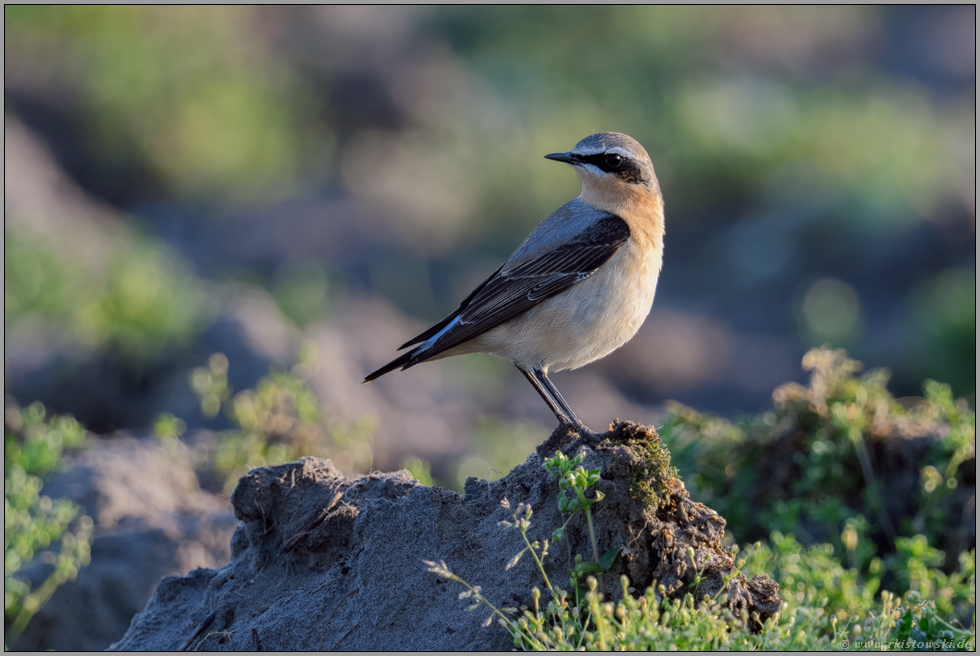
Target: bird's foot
(575, 425)
(566, 434)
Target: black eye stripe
(627, 169)
(599, 160)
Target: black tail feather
(418, 339)
(404, 361)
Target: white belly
(585, 322)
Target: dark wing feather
(445, 322)
(507, 294)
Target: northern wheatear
(579, 286)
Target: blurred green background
(248, 180)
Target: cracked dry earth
(320, 561)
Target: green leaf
(609, 557)
(584, 568)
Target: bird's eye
(613, 160)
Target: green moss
(650, 478)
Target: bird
(578, 287)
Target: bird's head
(614, 169)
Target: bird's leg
(554, 399)
(542, 375)
(559, 413)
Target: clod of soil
(325, 562)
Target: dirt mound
(324, 562)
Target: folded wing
(514, 289)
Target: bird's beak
(568, 158)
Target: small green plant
(574, 480)
(276, 422)
(420, 469)
(845, 606)
(526, 630)
(167, 429)
(34, 444)
(920, 625)
(813, 456)
(529, 630)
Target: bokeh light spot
(831, 310)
